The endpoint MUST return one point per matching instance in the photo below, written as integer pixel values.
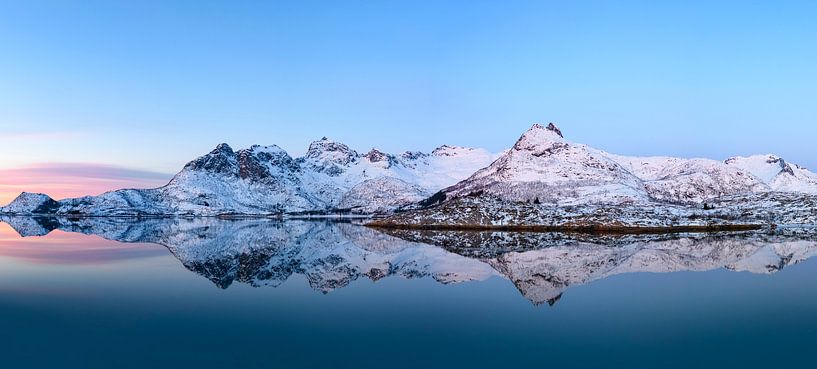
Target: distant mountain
(545, 179)
(542, 168)
(266, 180)
(778, 174)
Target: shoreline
(600, 229)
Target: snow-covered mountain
(778, 174)
(31, 203)
(547, 180)
(542, 167)
(266, 180)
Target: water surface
(209, 293)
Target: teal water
(288, 295)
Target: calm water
(264, 294)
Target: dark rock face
(413, 155)
(250, 168)
(784, 167)
(49, 206)
(31, 203)
(221, 160)
(552, 127)
(442, 150)
(376, 156)
(255, 164)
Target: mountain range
(542, 173)
(266, 180)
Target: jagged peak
(375, 155)
(413, 155)
(326, 145)
(223, 148)
(31, 195)
(220, 160)
(30, 202)
(765, 166)
(552, 127)
(328, 151)
(538, 135)
(451, 150)
(270, 149)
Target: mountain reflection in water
(331, 255)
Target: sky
(96, 95)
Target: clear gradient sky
(100, 94)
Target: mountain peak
(375, 155)
(449, 150)
(220, 160)
(539, 135)
(31, 203)
(222, 148)
(328, 150)
(552, 127)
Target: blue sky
(152, 84)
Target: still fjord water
(250, 294)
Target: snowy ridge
(266, 180)
(542, 167)
(545, 179)
(30, 203)
(690, 181)
(778, 174)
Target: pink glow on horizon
(64, 180)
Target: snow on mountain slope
(338, 172)
(263, 180)
(777, 173)
(689, 180)
(381, 195)
(544, 167)
(30, 203)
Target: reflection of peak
(542, 266)
(543, 274)
(267, 252)
(27, 226)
